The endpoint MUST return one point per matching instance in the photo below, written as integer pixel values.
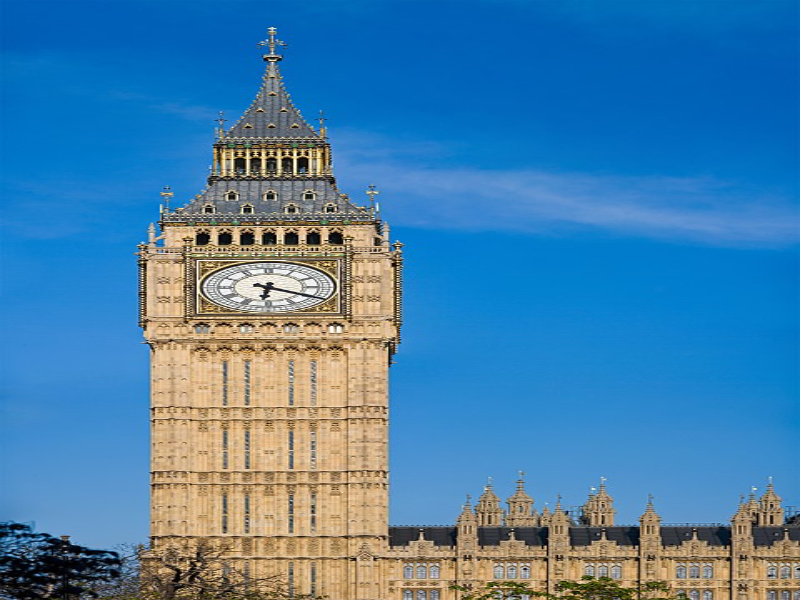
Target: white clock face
(268, 287)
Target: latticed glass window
(408, 595)
(772, 572)
(785, 595)
(525, 572)
(422, 595)
(589, 571)
(616, 572)
(434, 571)
(422, 572)
(694, 595)
(680, 572)
(772, 595)
(708, 572)
(433, 595)
(602, 571)
(786, 572)
(408, 573)
(499, 572)
(694, 572)
(511, 572)
(708, 595)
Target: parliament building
(272, 305)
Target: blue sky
(630, 167)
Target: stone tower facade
(271, 305)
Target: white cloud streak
(697, 209)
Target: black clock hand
(267, 287)
(277, 289)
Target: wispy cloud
(698, 209)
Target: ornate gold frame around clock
(199, 306)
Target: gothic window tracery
(786, 572)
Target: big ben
(271, 304)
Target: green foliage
(588, 588)
(38, 566)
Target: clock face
(268, 287)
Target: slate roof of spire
(272, 114)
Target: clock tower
(271, 304)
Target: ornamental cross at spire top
(272, 42)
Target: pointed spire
(489, 512)
(520, 507)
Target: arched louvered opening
(302, 165)
(291, 238)
(272, 166)
(255, 166)
(313, 238)
(268, 238)
(336, 238)
(287, 165)
(247, 238)
(239, 165)
(224, 239)
(202, 238)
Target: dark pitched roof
(624, 536)
(492, 536)
(440, 536)
(715, 535)
(272, 114)
(766, 536)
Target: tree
(37, 566)
(201, 572)
(589, 588)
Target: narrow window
(408, 595)
(246, 448)
(422, 572)
(246, 328)
(694, 595)
(247, 209)
(434, 571)
(313, 383)
(291, 449)
(290, 328)
(616, 572)
(499, 572)
(272, 167)
(238, 166)
(335, 238)
(511, 572)
(247, 513)
(313, 238)
(224, 448)
(255, 166)
(680, 572)
(408, 571)
(287, 164)
(268, 238)
(525, 572)
(313, 512)
(694, 572)
(208, 209)
(202, 328)
(247, 238)
(708, 572)
(797, 572)
(433, 595)
(772, 595)
(225, 239)
(302, 165)
(589, 571)
(602, 571)
(224, 513)
(335, 328)
(202, 239)
(313, 579)
(224, 383)
(291, 513)
(291, 383)
(422, 595)
(786, 572)
(708, 595)
(785, 595)
(247, 367)
(313, 448)
(291, 238)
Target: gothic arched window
(694, 595)
(408, 595)
(422, 572)
(335, 328)
(313, 238)
(708, 572)
(335, 238)
(330, 208)
(525, 572)
(255, 166)
(785, 595)
(772, 572)
(290, 209)
(797, 572)
(203, 238)
(287, 164)
(291, 328)
(772, 595)
(246, 328)
(602, 571)
(268, 238)
(408, 573)
(302, 165)
(433, 595)
(422, 595)
(291, 238)
(694, 572)
(272, 166)
(499, 572)
(708, 595)
(202, 328)
(680, 572)
(786, 572)
(225, 238)
(511, 572)
(247, 238)
(434, 571)
(616, 572)
(238, 165)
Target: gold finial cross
(272, 42)
(372, 192)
